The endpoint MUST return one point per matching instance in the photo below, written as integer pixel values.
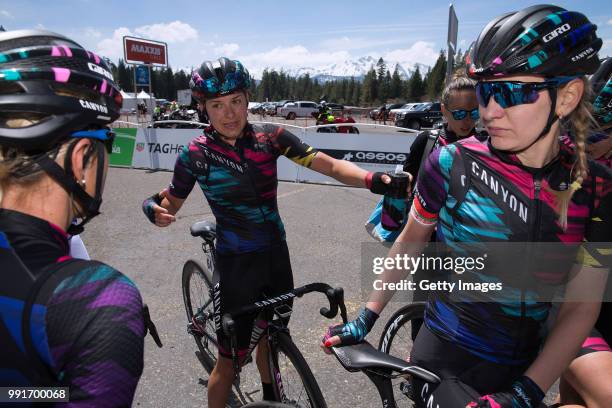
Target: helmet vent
(74, 91)
(8, 88)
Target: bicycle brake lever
(339, 296)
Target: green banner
(123, 146)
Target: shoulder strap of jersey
(209, 137)
(460, 179)
(58, 271)
(432, 138)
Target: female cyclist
(530, 66)
(234, 163)
(460, 111)
(587, 381)
(86, 322)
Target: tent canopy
(143, 95)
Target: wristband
(368, 180)
(147, 206)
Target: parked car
(404, 108)
(425, 115)
(297, 109)
(265, 107)
(373, 114)
(254, 108)
(280, 104)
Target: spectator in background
(383, 114)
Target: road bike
(293, 381)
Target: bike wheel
(397, 340)
(295, 384)
(197, 285)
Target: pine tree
(385, 88)
(355, 97)
(125, 77)
(381, 69)
(396, 84)
(416, 88)
(435, 79)
(369, 93)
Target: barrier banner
(158, 148)
(372, 151)
(123, 147)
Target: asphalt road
(325, 229)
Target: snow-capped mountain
(353, 68)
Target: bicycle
(284, 357)
(397, 338)
(381, 368)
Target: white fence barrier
(374, 149)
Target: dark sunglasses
(512, 93)
(106, 136)
(460, 114)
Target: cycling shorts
(594, 342)
(243, 279)
(464, 375)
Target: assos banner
(148, 52)
(158, 148)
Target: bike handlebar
(335, 296)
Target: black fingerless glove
(525, 393)
(147, 206)
(375, 184)
(354, 332)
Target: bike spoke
(292, 383)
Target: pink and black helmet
(52, 78)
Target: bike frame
(267, 306)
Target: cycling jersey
(240, 183)
(87, 325)
(417, 149)
(505, 202)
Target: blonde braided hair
(580, 121)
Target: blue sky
(277, 34)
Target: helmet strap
(90, 206)
(552, 117)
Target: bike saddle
(205, 229)
(365, 356)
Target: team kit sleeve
(293, 148)
(96, 332)
(599, 230)
(432, 186)
(183, 178)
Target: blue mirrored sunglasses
(513, 93)
(460, 114)
(106, 136)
